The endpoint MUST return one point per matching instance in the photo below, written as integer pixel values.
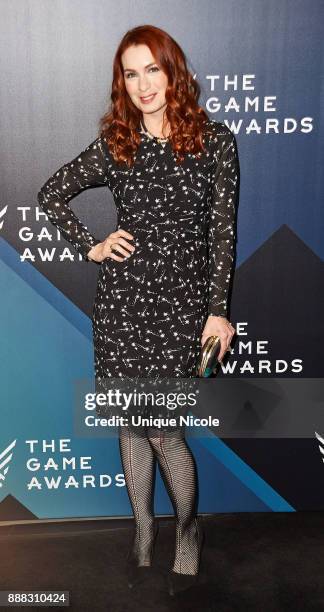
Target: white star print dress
(150, 310)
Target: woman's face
(145, 82)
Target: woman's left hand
(219, 326)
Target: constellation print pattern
(150, 310)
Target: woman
(164, 275)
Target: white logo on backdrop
(2, 214)
(321, 440)
(5, 459)
(60, 471)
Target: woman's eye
(130, 74)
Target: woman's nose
(143, 84)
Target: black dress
(150, 310)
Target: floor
(262, 562)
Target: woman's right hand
(114, 242)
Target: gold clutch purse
(208, 356)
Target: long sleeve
(221, 231)
(88, 169)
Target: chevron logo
(5, 458)
(2, 214)
(321, 440)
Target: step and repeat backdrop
(260, 69)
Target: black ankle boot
(177, 582)
(139, 573)
(180, 582)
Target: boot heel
(156, 531)
(180, 582)
(201, 540)
(139, 573)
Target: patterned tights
(139, 452)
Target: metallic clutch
(208, 356)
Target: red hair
(186, 118)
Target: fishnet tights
(139, 452)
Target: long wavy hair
(186, 118)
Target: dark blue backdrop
(260, 66)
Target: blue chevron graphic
(45, 288)
(243, 472)
(62, 352)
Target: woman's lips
(147, 100)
